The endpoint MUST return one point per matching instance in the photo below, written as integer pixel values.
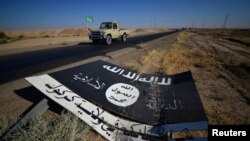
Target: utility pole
(225, 21)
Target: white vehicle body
(109, 31)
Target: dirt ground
(220, 64)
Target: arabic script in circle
(122, 95)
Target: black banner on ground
(236, 132)
(147, 98)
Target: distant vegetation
(2, 35)
(5, 39)
(46, 36)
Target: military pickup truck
(107, 32)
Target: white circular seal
(122, 94)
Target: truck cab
(107, 32)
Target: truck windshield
(106, 25)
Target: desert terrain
(219, 60)
(30, 40)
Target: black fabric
(178, 102)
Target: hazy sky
(31, 14)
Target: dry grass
(176, 60)
(133, 65)
(154, 58)
(180, 60)
(152, 62)
(219, 117)
(184, 37)
(65, 127)
(6, 123)
(189, 134)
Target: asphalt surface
(20, 65)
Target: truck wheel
(124, 38)
(108, 40)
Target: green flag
(89, 19)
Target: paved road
(20, 65)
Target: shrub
(3, 36)
(20, 36)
